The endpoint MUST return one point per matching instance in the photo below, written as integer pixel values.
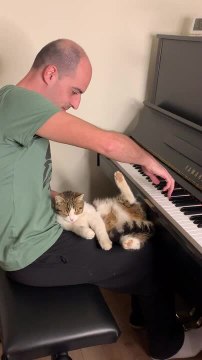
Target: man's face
(66, 90)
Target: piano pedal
(190, 320)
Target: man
(34, 250)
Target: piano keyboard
(183, 217)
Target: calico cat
(124, 216)
(109, 218)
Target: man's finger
(153, 177)
(169, 187)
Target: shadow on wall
(151, 68)
(100, 184)
(15, 52)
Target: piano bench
(37, 322)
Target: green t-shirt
(28, 225)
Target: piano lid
(175, 141)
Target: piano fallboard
(175, 142)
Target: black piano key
(181, 198)
(160, 186)
(197, 221)
(196, 217)
(181, 191)
(179, 205)
(191, 210)
(178, 199)
(199, 208)
(184, 202)
(173, 197)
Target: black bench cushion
(38, 321)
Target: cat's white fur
(87, 225)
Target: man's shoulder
(19, 99)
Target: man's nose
(75, 101)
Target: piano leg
(184, 274)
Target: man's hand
(154, 169)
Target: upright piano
(169, 128)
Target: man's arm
(69, 129)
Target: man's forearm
(121, 148)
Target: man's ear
(50, 74)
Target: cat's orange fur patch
(135, 211)
(110, 221)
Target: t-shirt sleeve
(23, 112)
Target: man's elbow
(111, 145)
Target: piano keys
(175, 215)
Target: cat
(80, 217)
(121, 216)
(124, 216)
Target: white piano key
(182, 222)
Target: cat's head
(69, 205)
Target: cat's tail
(143, 236)
(146, 231)
(134, 241)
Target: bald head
(61, 72)
(64, 53)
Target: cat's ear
(59, 199)
(79, 196)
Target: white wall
(118, 36)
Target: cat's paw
(105, 242)
(130, 243)
(118, 177)
(107, 245)
(88, 233)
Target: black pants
(74, 260)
